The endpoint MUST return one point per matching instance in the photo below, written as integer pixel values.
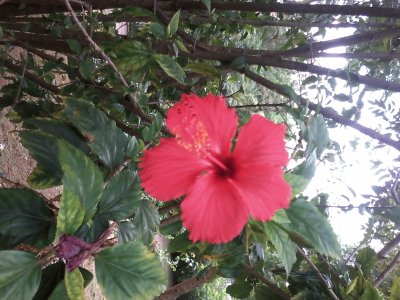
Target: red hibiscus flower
(222, 186)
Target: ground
(15, 166)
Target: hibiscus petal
(213, 211)
(203, 124)
(261, 141)
(263, 189)
(168, 170)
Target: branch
(170, 220)
(227, 55)
(344, 41)
(187, 285)
(389, 247)
(100, 51)
(325, 112)
(320, 276)
(43, 7)
(267, 282)
(387, 271)
(20, 70)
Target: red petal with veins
(168, 170)
(263, 189)
(261, 141)
(259, 157)
(202, 124)
(213, 211)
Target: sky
(356, 171)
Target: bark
(228, 57)
(395, 262)
(188, 285)
(389, 247)
(12, 8)
(325, 112)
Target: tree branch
(267, 282)
(187, 285)
(325, 112)
(320, 276)
(100, 51)
(389, 247)
(387, 271)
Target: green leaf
(74, 284)
(60, 292)
(314, 227)
(238, 63)
(284, 246)
(239, 289)
(343, 98)
(20, 274)
(395, 290)
(43, 148)
(309, 79)
(90, 231)
(207, 4)
(173, 24)
(74, 46)
(371, 293)
(126, 231)
(129, 271)
(318, 134)
(40, 179)
(171, 229)
(264, 292)
(83, 186)
(106, 139)
(131, 56)
(86, 68)
(366, 258)
(51, 276)
(146, 221)
(157, 29)
(203, 69)
(307, 168)
(1, 33)
(121, 196)
(23, 213)
(297, 182)
(61, 130)
(171, 67)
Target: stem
(315, 269)
(264, 280)
(389, 247)
(100, 51)
(325, 112)
(187, 285)
(170, 220)
(387, 271)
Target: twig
(165, 209)
(387, 271)
(389, 247)
(393, 190)
(116, 171)
(264, 280)
(187, 285)
(100, 51)
(170, 220)
(326, 112)
(320, 276)
(22, 79)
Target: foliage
(94, 99)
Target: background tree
(88, 133)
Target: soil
(15, 166)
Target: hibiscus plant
(175, 144)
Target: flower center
(224, 167)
